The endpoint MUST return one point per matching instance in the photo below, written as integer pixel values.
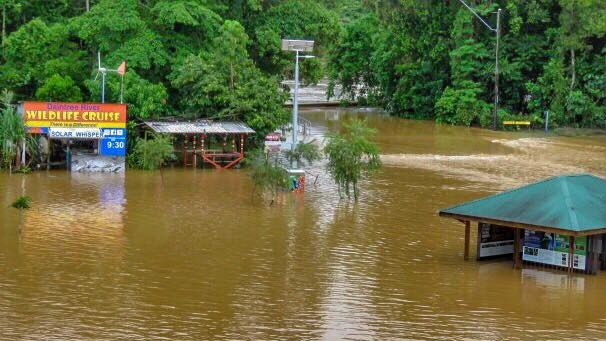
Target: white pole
(122, 89)
(103, 87)
(295, 107)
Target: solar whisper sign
(105, 122)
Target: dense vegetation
(435, 60)
(189, 58)
(428, 59)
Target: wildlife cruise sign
(105, 122)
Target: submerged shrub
(150, 154)
(22, 202)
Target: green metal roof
(569, 202)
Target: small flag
(122, 69)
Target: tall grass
(12, 132)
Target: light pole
(297, 46)
(497, 31)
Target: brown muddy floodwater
(191, 255)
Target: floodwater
(194, 255)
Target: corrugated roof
(569, 202)
(199, 127)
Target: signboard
(494, 240)
(297, 45)
(74, 115)
(105, 122)
(74, 133)
(553, 249)
(113, 142)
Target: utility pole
(297, 46)
(496, 72)
(497, 31)
(295, 105)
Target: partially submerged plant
(150, 154)
(23, 170)
(23, 202)
(352, 155)
(305, 151)
(267, 174)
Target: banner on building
(74, 115)
(105, 122)
(554, 249)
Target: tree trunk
(572, 69)
(231, 76)
(87, 5)
(3, 25)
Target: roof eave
(462, 217)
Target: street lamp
(297, 46)
(497, 31)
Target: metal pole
(295, 107)
(496, 73)
(103, 87)
(546, 121)
(122, 89)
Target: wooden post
(194, 155)
(185, 139)
(202, 145)
(516, 249)
(467, 237)
(50, 151)
(571, 254)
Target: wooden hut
(558, 222)
(218, 143)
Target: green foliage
(23, 170)
(293, 19)
(119, 28)
(37, 51)
(224, 83)
(59, 89)
(12, 132)
(351, 61)
(150, 154)
(462, 106)
(352, 155)
(267, 174)
(435, 60)
(188, 58)
(308, 152)
(22, 202)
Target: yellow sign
(516, 123)
(74, 115)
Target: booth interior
(558, 223)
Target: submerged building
(81, 137)
(220, 144)
(559, 222)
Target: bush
(462, 107)
(150, 154)
(352, 155)
(22, 202)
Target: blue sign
(113, 142)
